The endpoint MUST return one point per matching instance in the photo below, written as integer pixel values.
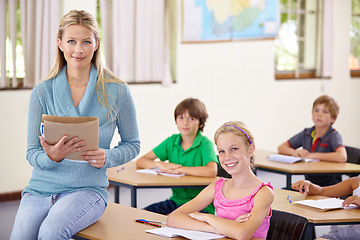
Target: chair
(286, 226)
(222, 173)
(353, 156)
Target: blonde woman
(64, 196)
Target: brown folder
(85, 128)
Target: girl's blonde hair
(83, 18)
(238, 128)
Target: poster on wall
(228, 20)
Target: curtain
(327, 39)
(39, 24)
(39, 21)
(136, 40)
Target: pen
(289, 199)
(149, 223)
(121, 169)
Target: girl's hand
(351, 200)
(243, 218)
(199, 216)
(95, 158)
(62, 148)
(302, 186)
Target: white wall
(234, 80)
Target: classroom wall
(235, 81)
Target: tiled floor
(145, 197)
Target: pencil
(149, 223)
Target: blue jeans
(58, 216)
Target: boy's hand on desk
(167, 167)
(302, 153)
(352, 200)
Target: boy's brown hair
(330, 103)
(196, 109)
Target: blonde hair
(238, 128)
(83, 18)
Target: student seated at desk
(321, 141)
(344, 188)
(188, 152)
(242, 203)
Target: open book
(289, 159)
(174, 232)
(324, 204)
(156, 171)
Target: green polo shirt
(200, 153)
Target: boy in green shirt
(188, 152)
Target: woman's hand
(62, 148)
(95, 158)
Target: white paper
(156, 171)
(173, 232)
(289, 159)
(325, 204)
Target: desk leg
(309, 231)
(133, 197)
(116, 194)
(288, 181)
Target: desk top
(261, 160)
(126, 174)
(314, 216)
(118, 222)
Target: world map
(226, 20)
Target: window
(354, 58)
(12, 70)
(297, 43)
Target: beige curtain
(39, 24)
(135, 40)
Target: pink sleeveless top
(232, 209)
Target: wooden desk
(126, 176)
(315, 217)
(300, 168)
(118, 222)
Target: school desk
(126, 176)
(118, 222)
(314, 216)
(300, 168)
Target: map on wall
(227, 20)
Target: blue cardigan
(53, 97)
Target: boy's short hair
(196, 109)
(330, 103)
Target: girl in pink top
(242, 203)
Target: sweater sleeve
(129, 145)
(35, 153)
